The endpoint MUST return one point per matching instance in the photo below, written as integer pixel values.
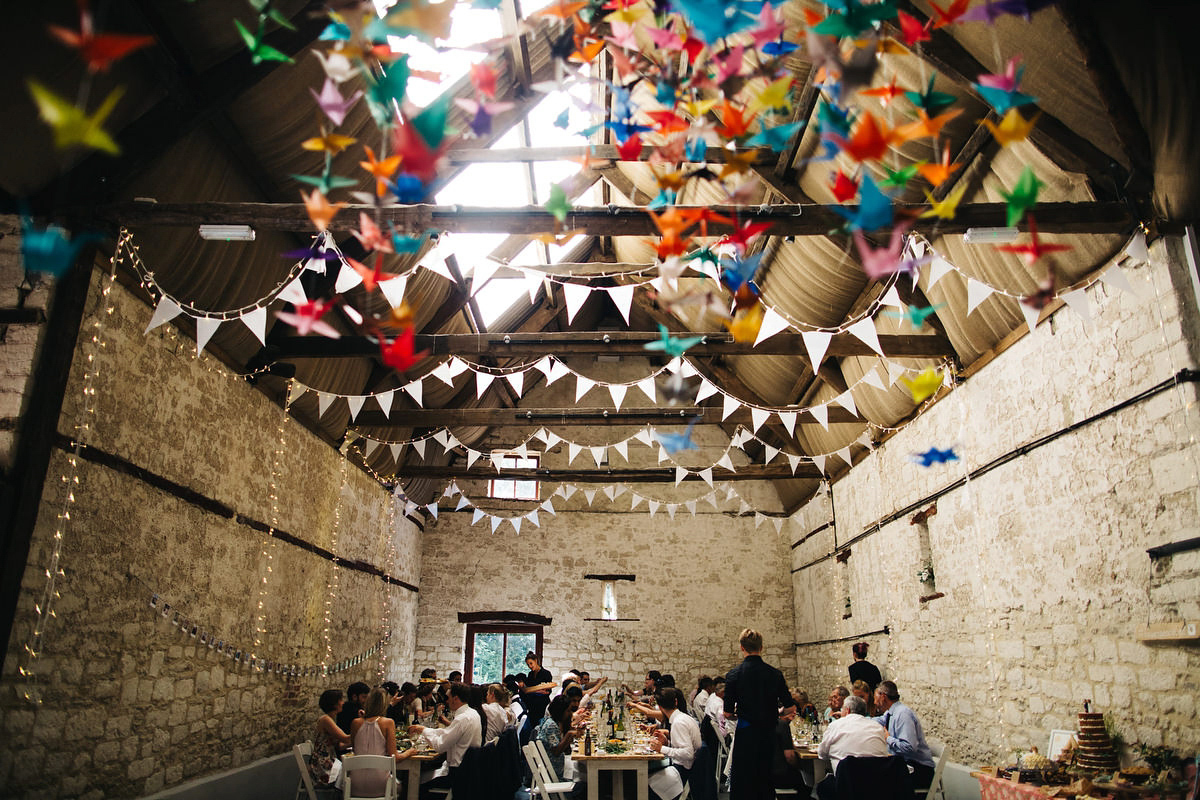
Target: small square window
(516, 489)
(609, 608)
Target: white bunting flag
(872, 378)
(620, 490)
(355, 401)
(1115, 277)
(976, 293)
(617, 392)
(533, 282)
(690, 505)
(396, 448)
(622, 448)
(441, 436)
(495, 522)
(419, 446)
(793, 462)
(788, 418)
(1137, 249)
(516, 523)
(482, 273)
(478, 515)
(758, 416)
(296, 390)
(582, 386)
(463, 502)
(864, 331)
(816, 343)
(706, 475)
(671, 509)
(819, 463)
(846, 401)
(589, 495)
(758, 520)
(557, 370)
(635, 501)
(576, 295)
(778, 523)
(497, 460)
(552, 439)
(724, 461)
(415, 390)
(653, 506)
(439, 267)
(821, 414)
(384, 399)
(544, 365)
(729, 405)
(599, 455)
(662, 454)
(707, 389)
(256, 321)
(472, 457)
(892, 298)
(393, 290)
(517, 381)
(938, 268)
(432, 508)
(442, 373)
(205, 328)
(548, 507)
(482, 381)
(645, 437)
(772, 323)
(1031, 314)
(647, 387)
(1079, 303)
(165, 311)
(532, 516)
(680, 474)
(324, 400)
(610, 492)
(293, 293)
(769, 453)
(370, 447)
(844, 455)
(622, 297)
(347, 279)
(573, 450)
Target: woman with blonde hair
(498, 711)
(374, 734)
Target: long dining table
(635, 761)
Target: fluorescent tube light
(991, 235)
(227, 233)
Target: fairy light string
(267, 554)
(94, 347)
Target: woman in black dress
(863, 670)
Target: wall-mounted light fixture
(991, 235)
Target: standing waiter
(754, 692)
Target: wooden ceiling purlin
(787, 220)
(1062, 145)
(534, 418)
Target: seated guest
(787, 771)
(681, 740)
(497, 711)
(700, 697)
(356, 695)
(429, 675)
(905, 738)
(395, 709)
(422, 703)
(854, 734)
(455, 677)
(804, 709)
(374, 734)
(649, 684)
(666, 681)
(328, 740)
(864, 692)
(465, 730)
(556, 732)
(715, 707)
(836, 697)
(477, 697)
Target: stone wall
(190, 465)
(1042, 560)
(18, 342)
(698, 581)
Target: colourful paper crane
(558, 205)
(899, 178)
(915, 315)
(673, 346)
(924, 385)
(332, 143)
(738, 272)
(950, 14)
(676, 442)
(1012, 127)
(383, 170)
(50, 250)
(886, 93)
(878, 264)
(320, 210)
(931, 101)
(874, 209)
(947, 207)
(843, 187)
(371, 276)
(370, 236)
(260, 51)
(851, 18)
(745, 324)
(935, 456)
(777, 137)
(1002, 91)
(937, 173)
(332, 103)
(72, 125)
(1023, 196)
(869, 141)
(1035, 248)
(98, 50)
(913, 31)
(306, 318)
(926, 125)
(398, 353)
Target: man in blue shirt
(905, 735)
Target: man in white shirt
(700, 699)
(684, 736)
(466, 730)
(854, 734)
(715, 707)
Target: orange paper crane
(926, 125)
(734, 122)
(886, 93)
(937, 173)
(382, 170)
(320, 210)
(870, 140)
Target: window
(609, 609)
(515, 489)
(496, 650)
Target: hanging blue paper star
(49, 250)
(674, 442)
(874, 208)
(935, 456)
(672, 346)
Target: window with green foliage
(494, 651)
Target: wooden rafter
(751, 472)
(787, 220)
(431, 418)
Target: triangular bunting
(166, 310)
(557, 370)
(778, 523)
(1079, 303)
(772, 323)
(622, 448)
(758, 416)
(617, 392)
(533, 281)
(788, 418)
(482, 273)
(645, 437)
(478, 515)
(384, 399)
(582, 386)
(976, 293)
(396, 448)
(724, 461)
(432, 508)
(548, 507)
(599, 454)
(872, 378)
(256, 321)
(622, 297)
(517, 381)
(472, 457)
(516, 523)
(769, 453)
(415, 390)
(892, 298)
(690, 505)
(293, 293)
(730, 405)
(864, 331)
(419, 446)
(482, 381)
(793, 462)
(706, 475)
(463, 502)
(1137, 249)
(707, 389)
(846, 401)
(589, 495)
(532, 516)
(393, 290)
(205, 328)
(572, 451)
(1115, 277)
(355, 401)
(844, 455)
(671, 507)
(324, 400)
(370, 447)
(648, 389)
(296, 390)
(680, 474)
(1031, 314)
(635, 501)
(821, 414)
(653, 506)
(495, 522)
(816, 343)
(938, 268)
(347, 279)
(576, 295)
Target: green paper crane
(1023, 197)
(673, 347)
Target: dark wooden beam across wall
(751, 472)
(624, 343)
(605, 152)
(431, 418)
(786, 220)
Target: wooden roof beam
(432, 418)
(752, 472)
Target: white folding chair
(351, 764)
(545, 784)
(935, 788)
(303, 752)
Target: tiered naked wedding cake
(1095, 750)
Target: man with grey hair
(905, 738)
(853, 734)
(836, 698)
